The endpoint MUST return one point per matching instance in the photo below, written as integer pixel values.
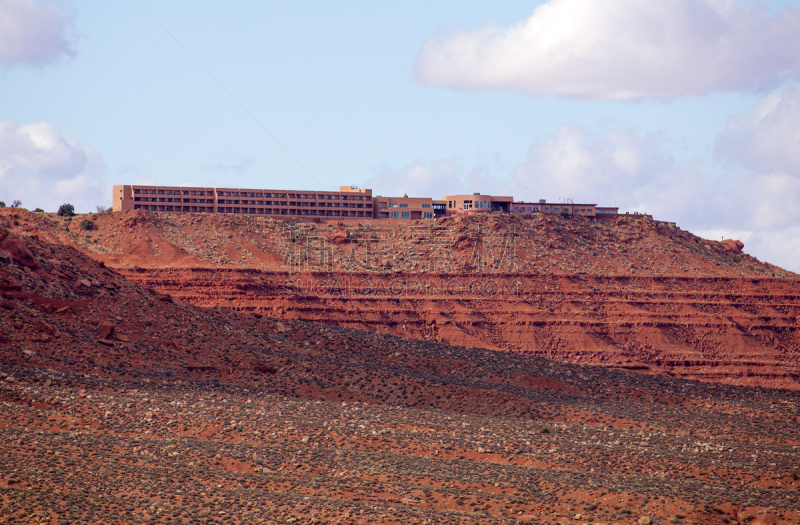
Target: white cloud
(766, 138)
(433, 179)
(35, 33)
(757, 204)
(621, 49)
(617, 168)
(39, 176)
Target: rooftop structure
(406, 207)
(476, 203)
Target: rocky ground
(122, 404)
(627, 293)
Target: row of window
(251, 211)
(567, 210)
(253, 203)
(201, 193)
(468, 204)
(407, 215)
(396, 205)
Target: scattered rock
(19, 252)
(44, 327)
(106, 329)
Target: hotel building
(348, 202)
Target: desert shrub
(545, 430)
(16, 203)
(2, 204)
(103, 209)
(38, 210)
(86, 224)
(66, 210)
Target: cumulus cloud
(39, 176)
(621, 50)
(615, 168)
(755, 203)
(433, 179)
(764, 140)
(766, 137)
(34, 33)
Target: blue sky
(682, 108)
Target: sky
(688, 110)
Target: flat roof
(553, 204)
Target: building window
(405, 215)
(426, 205)
(427, 215)
(395, 214)
(393, 205)
(404, 205)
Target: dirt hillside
(625, 293)
(122, 404)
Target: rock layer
(627, 292)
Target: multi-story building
(349, 201)
(476, 203)
(553, 208)
(406, 207)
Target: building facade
(406, 207)
(555, 208)
(348, 202)
(476, 203)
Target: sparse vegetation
(86, 224)
(66, 210)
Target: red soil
(626, 293)
(121, 404)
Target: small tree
(103, 209)
(66, 210)
(2, 204)
(16, 203)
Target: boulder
(106, 329)
(44, 327)
(732, 245)
(19, 252)
(5, 257)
